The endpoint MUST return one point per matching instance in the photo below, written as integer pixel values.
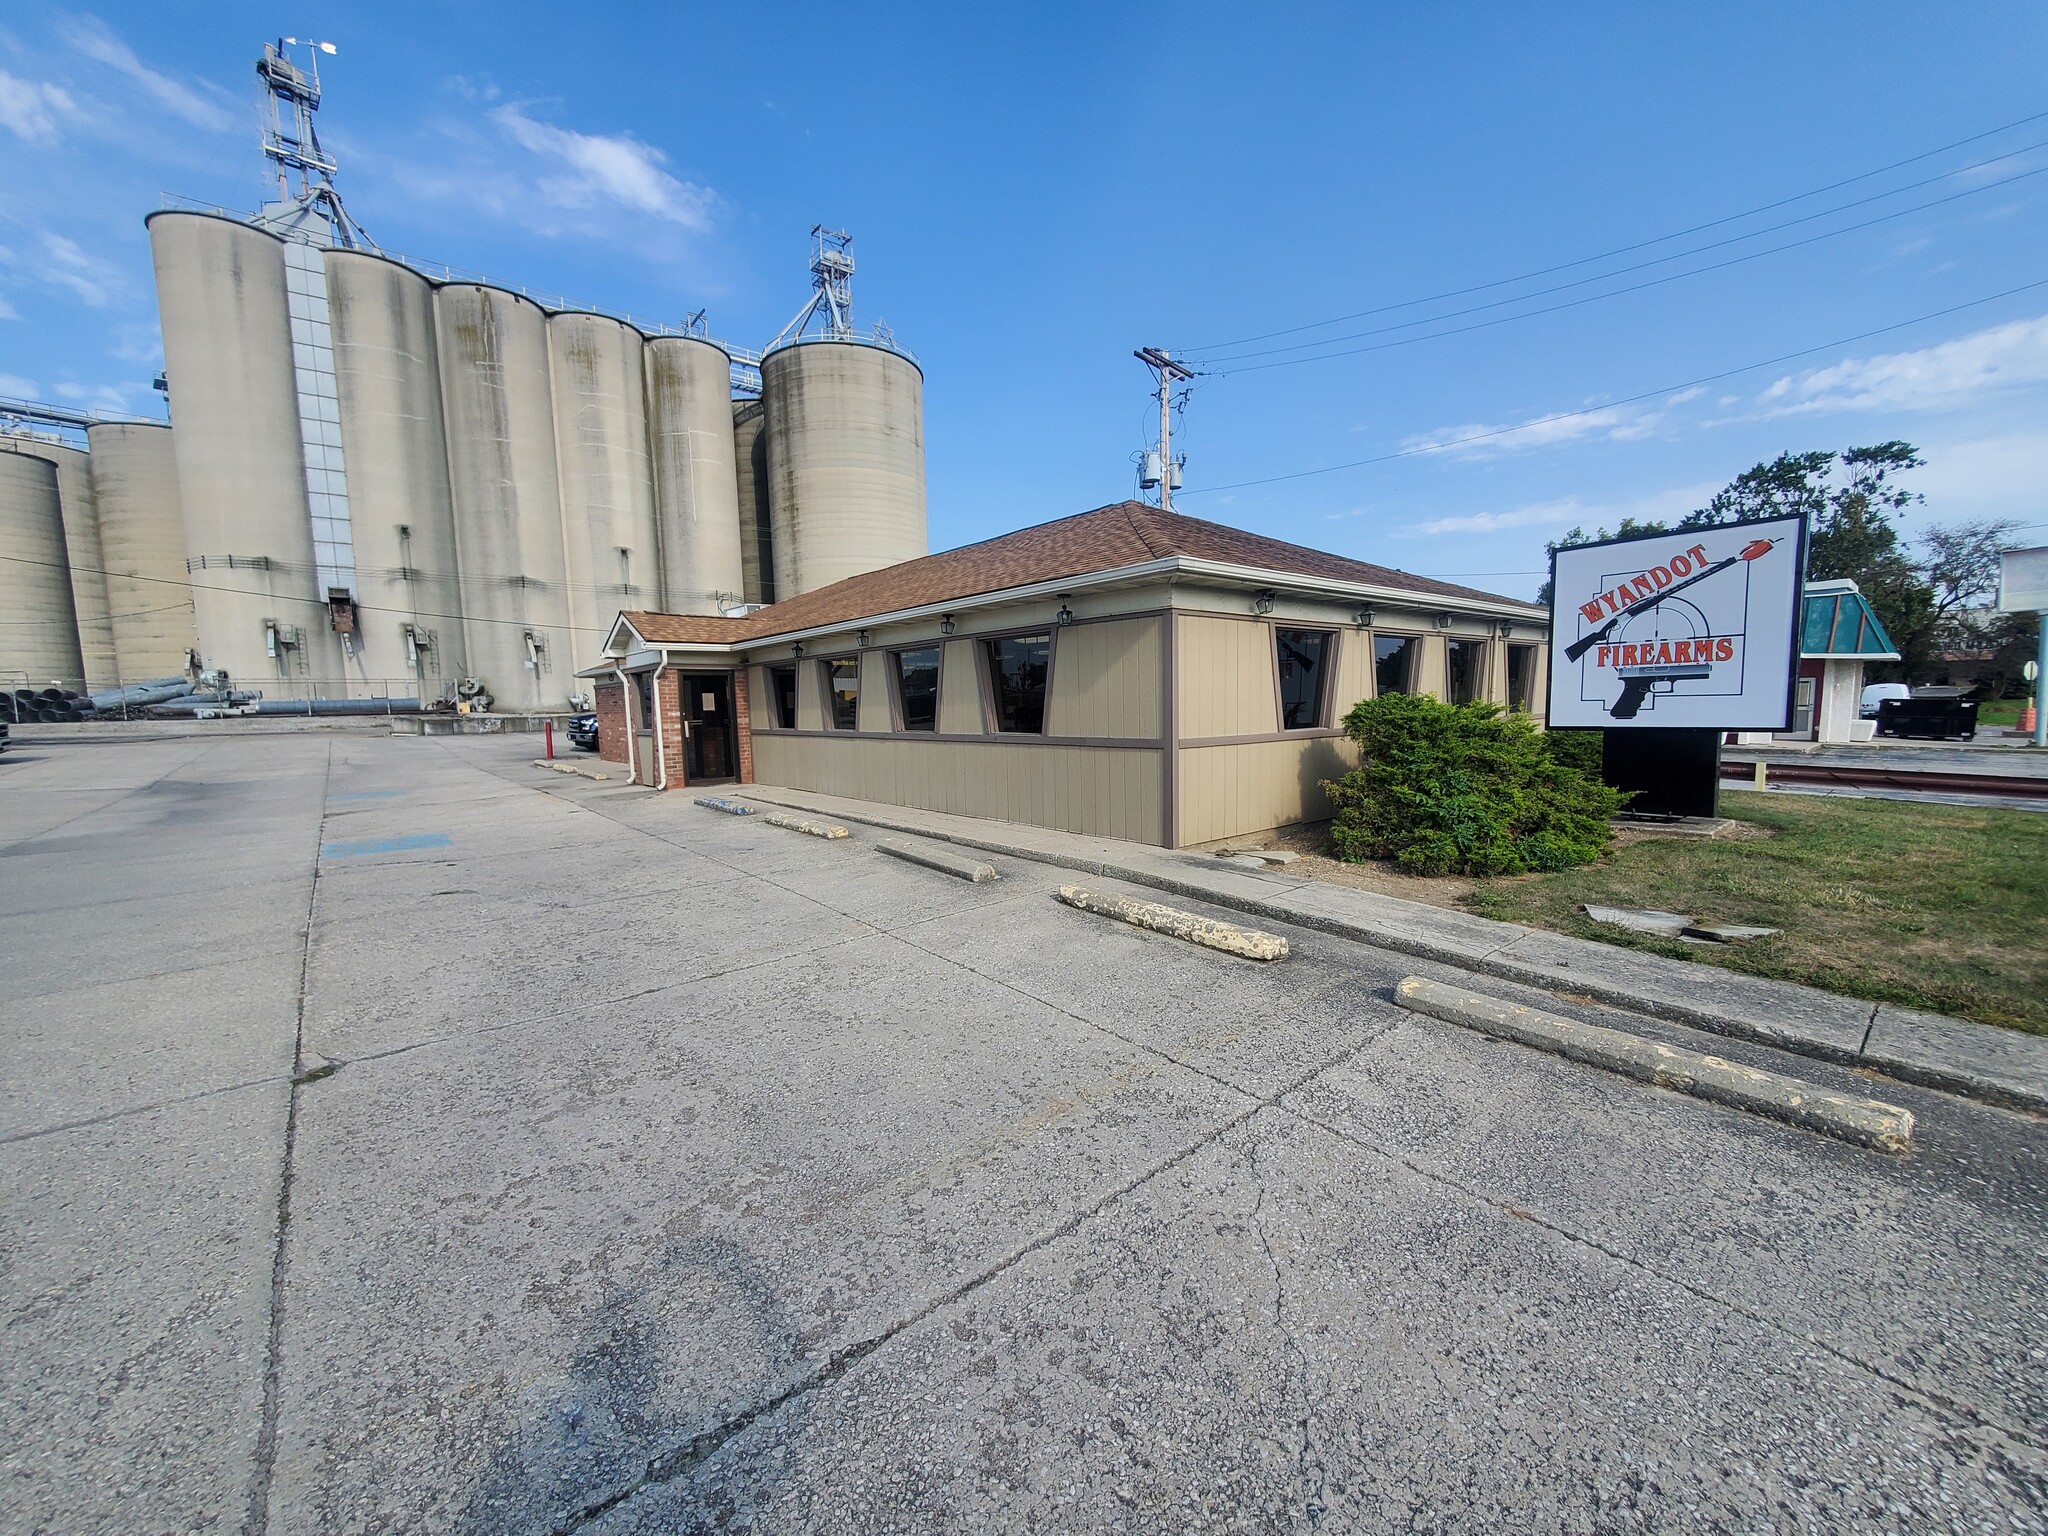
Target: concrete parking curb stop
(1997, 1066)
(945, 863)
(559, 767)
(1206, 931)
(1865, 1122)
(798, 824)
(730, 807)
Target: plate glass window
(1462, 661)
(782, 683)
(1393, 663)
(842, 678)
(1018, 666)
(917, 688)
(1304, 656)
(1521, 677)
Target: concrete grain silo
(845, 456)
(612, 550)
(757, 529)
(142, 541)
(500, 422)
(38, 625)
(696, 483)
(402, 511)
(82, 548)
(227, 329)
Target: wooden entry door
(709, 746)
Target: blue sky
(1035, 191)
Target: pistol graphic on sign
(1696, 625)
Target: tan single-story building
(1128, 672)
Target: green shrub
(1465, 789)
(1578, 749)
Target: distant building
(1127, 673)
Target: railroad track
(1892, 778)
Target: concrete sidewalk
(2000, 1066)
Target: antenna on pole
(311, 209)
(1161, 469)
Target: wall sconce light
(861, 640)
(1443, 621)
(946, 624)
(797, 650)
(1505, 628)
(1066, 614)
(1363, 618)
(1263, 603)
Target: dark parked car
(583, 732)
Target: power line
(1624, 250)
(1223, 370)
(1651, 394)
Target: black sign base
(1676, 773)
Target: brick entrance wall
(743, 726)
(611, 722)
(668, 709)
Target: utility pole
(1162, 364)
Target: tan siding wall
(1354, 672)
(1539, 691)
(1229, 791)
(959, 691)
(1432, 667)
(1105, 791)
(810, 695)
(1106, 681)
(1226, 678)
(874, 691)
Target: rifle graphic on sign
(1750, 551)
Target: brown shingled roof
(1125, 533)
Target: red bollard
(548, 729)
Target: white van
(1877, 693)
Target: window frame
(795, 668)
(897, 719)
(1332, 635)
(984, 664)
(1479, 646)
(1413, 638)
(1528, 704)
(830, 695)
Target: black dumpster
(1938, 719)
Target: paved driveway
(546, 1155)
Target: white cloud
(1662, 506)
(606, 168)
(15, 387)
(94, 281)
(91, 37)
(8, 311)
(29, 109)
(95, 397)
(1942, 377)
(1608, 423)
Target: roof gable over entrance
(1839, 622)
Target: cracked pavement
(622, 1167)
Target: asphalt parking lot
(398, 1137)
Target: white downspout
(660, 750)
(626, 713)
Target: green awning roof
(1841, 623)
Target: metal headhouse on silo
(392, 481)
(845, 433)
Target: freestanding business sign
(2023, 588)
(1694, 630)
